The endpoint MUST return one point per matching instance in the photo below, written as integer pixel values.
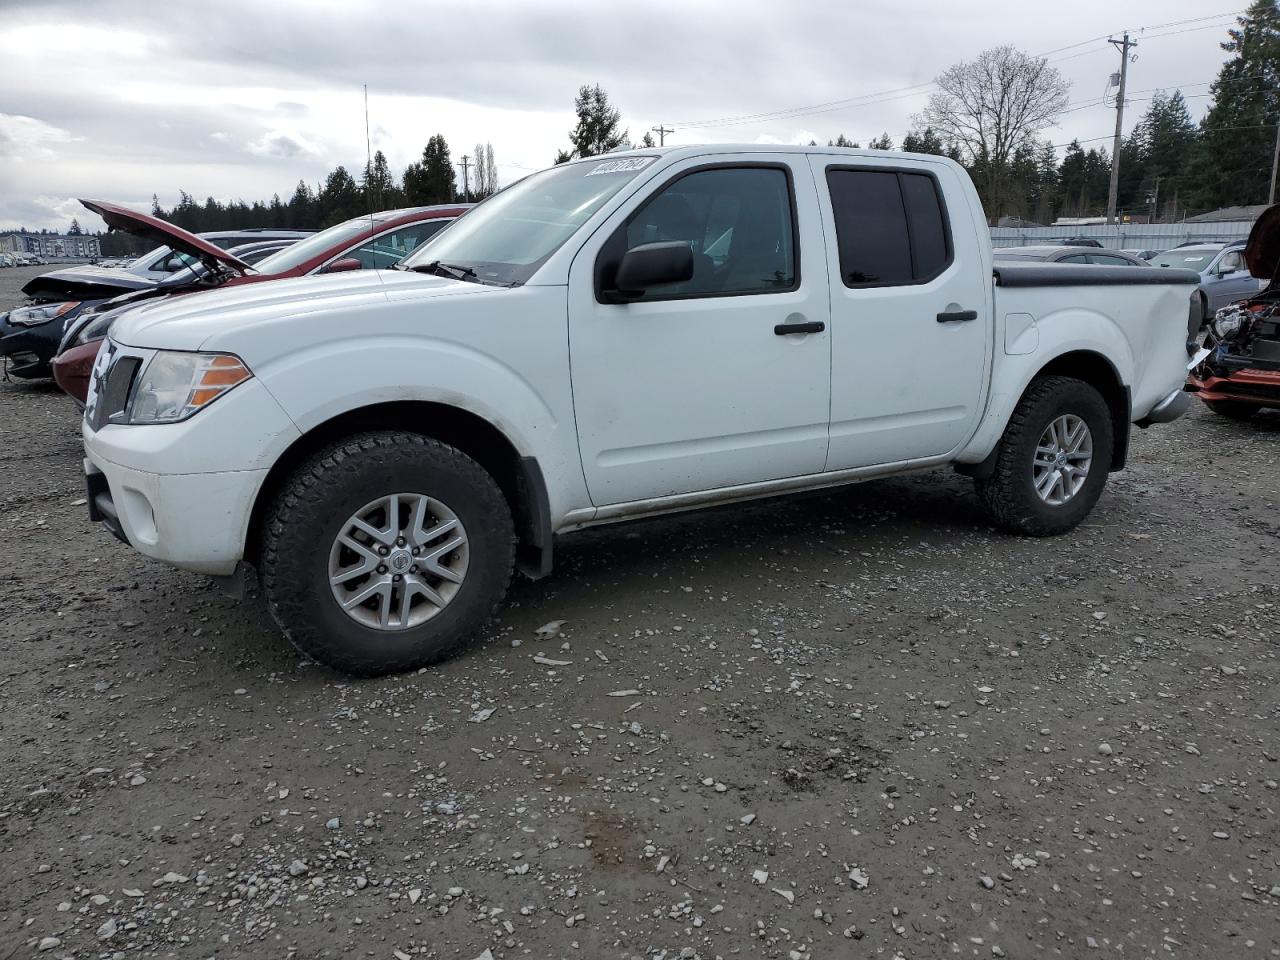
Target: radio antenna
(368, 158)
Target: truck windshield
(508, 237)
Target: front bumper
(29, 349)
(196, 521)
(184, 492)
(1260, 387)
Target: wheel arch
(1088, 366)
(518, 477)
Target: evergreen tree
(881, 142)
(300, 210)
(379, 184)
(339, 198)
(1232, 163)
(928, 141)
(431, 179)
(277, 215)
(647, 140)
(156, 209)
(597, 129)
(74, 230)
(842, 141)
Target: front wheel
(385, 552)
(1052, 461)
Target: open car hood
(161, 232)
(1262, 252)
(85, 283)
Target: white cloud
(26, 138)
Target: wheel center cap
(400, 560)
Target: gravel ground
(859, 724)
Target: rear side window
(891, 227)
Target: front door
(911, 316)
(691, 387)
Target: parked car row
(72, 308)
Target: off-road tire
(1009, 496)
(305, 516)
(1232, 409)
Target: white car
(612, 338)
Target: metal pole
(1275, 166)
(1123, 46)
(466, 191)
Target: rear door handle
(958, 316)
(809, 326)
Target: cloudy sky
(118, 99)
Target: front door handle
(957, 316)
(809, 326)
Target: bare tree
(486, 172)
(990, 106)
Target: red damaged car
(374, 241)
(1240, 374)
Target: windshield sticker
(627, 165)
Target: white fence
(1126, 236)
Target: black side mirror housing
(650, 265)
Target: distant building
(1250, 213)
(48, 245)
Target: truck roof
(703, 149)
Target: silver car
(1224, 278)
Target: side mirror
(174, 264)
(651, 265)
(343, 265)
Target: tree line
(431, 179)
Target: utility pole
(466, 190)
(1123, 46)
(662, 132)
(1275, 167)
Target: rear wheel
(1052, 461)
(385, 552)
(1232, 409)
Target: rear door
(911, 315)
(699, 385)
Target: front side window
(891, 228)
(382, 252)
(738, 222)
(1231, 262)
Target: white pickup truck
(613, 338)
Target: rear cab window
(891, 226)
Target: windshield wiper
(445, 270)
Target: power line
(885, 96)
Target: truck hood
(188, 323)
(85, 283)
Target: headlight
(41, 313)
(96, 328)
(174, 386)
